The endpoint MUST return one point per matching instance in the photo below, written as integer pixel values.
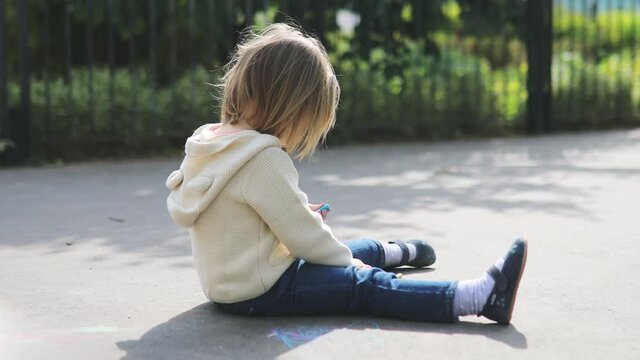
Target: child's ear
(250, 114)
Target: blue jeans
(309, 289)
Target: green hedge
(412, 96)
(607, 32)
(587, 95)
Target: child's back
(238, 194)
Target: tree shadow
(114, 207)
(206, 332)
(533, 175)
(120, 207)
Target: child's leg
(308, 289)
(417, 253)
(368, 251)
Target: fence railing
(596, 69)
(85, 78)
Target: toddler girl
(259, 247)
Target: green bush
(607, 32)
(589, 95)
(445, 95)
(125, 106)
(409, 95)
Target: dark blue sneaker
(499, 306)
(425, 255)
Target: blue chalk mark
(292, 337)
(296, 336)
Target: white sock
(393, 254)
(472, 295)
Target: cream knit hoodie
(238, 195)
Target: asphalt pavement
(91, 266)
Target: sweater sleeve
(271, 189)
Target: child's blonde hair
(280, 82)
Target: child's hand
(323, 212)
(359, 264)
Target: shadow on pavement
(527, 174)
(205, 332)
(121, 206)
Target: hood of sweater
(210, 162)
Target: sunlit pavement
(91, 266)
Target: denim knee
(365, 280)
(370, 251)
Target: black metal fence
(85, 78)
(596, 68)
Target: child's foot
(499, 305)
(471, 295)
(416, 253)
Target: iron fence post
(539, 48)
(19, 127)
(3, 79)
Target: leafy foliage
(410, 69)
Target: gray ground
(91, 266)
